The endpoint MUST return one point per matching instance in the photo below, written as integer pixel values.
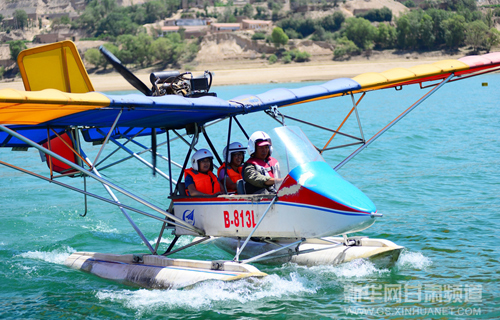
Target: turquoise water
(435, 177)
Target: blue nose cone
(320, 178)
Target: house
(255, 24)
(225, 27)
(55, 37)
(189, 31)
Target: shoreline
(244, 72)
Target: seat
(240, 186)
(182, 189)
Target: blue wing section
(173, 112)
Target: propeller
(126, 73)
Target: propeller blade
(126, 73)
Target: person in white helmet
(260, 172)
(233, 156)
(199, 179)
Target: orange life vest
(204, 182)
(233, 175)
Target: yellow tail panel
(54, 66)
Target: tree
(279, 37)
(426, 34)
(492, 39)
(386, 36)
(95, 57)
(344, 49)
(154, 10)
(116, 23)
(261, 13)
(438, 16)
(21, 18)
(455, 31)
(407, 29)
(475, 35)
(16, 47)
(361, 32)
(333, 22)
(248, 10)
(163, 50)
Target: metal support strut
(387, 127)
(238, 252)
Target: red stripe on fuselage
(308, 197)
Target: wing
(55, 108)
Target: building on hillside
(5, 60)
(189, 31)
(186, 22)
(55, 37)
(256, 24)
(225, 27)
(71, 15)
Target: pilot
(199, 179)
(261, 171)
(236, 155)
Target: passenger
(199, 180)
(260, 172)
(236, 155)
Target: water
(435, 177)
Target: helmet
(233, 147)
(198, 155)
(259, 135)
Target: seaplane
(307, 220)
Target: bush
(302, 56)
(258, 36)
(384, 14)
(344, 49)
(292, 34)
(287, 58)
(409, 4)
(16, 47)
(272, 59)
(361, 32)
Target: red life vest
(204, 182)
(233, 175)
(265, 168)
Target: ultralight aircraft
(307, 221)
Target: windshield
(292, 148)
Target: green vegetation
(272, 59)
(297, 27)
(16, 46)
(21, 18)
(384, 14)
(279, 37)
(106, 20)
(142, 50)
(424, 28)
(258, 36)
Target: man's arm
(252, 176)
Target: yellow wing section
(31, 108)
(373, 81)
(54, 66)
